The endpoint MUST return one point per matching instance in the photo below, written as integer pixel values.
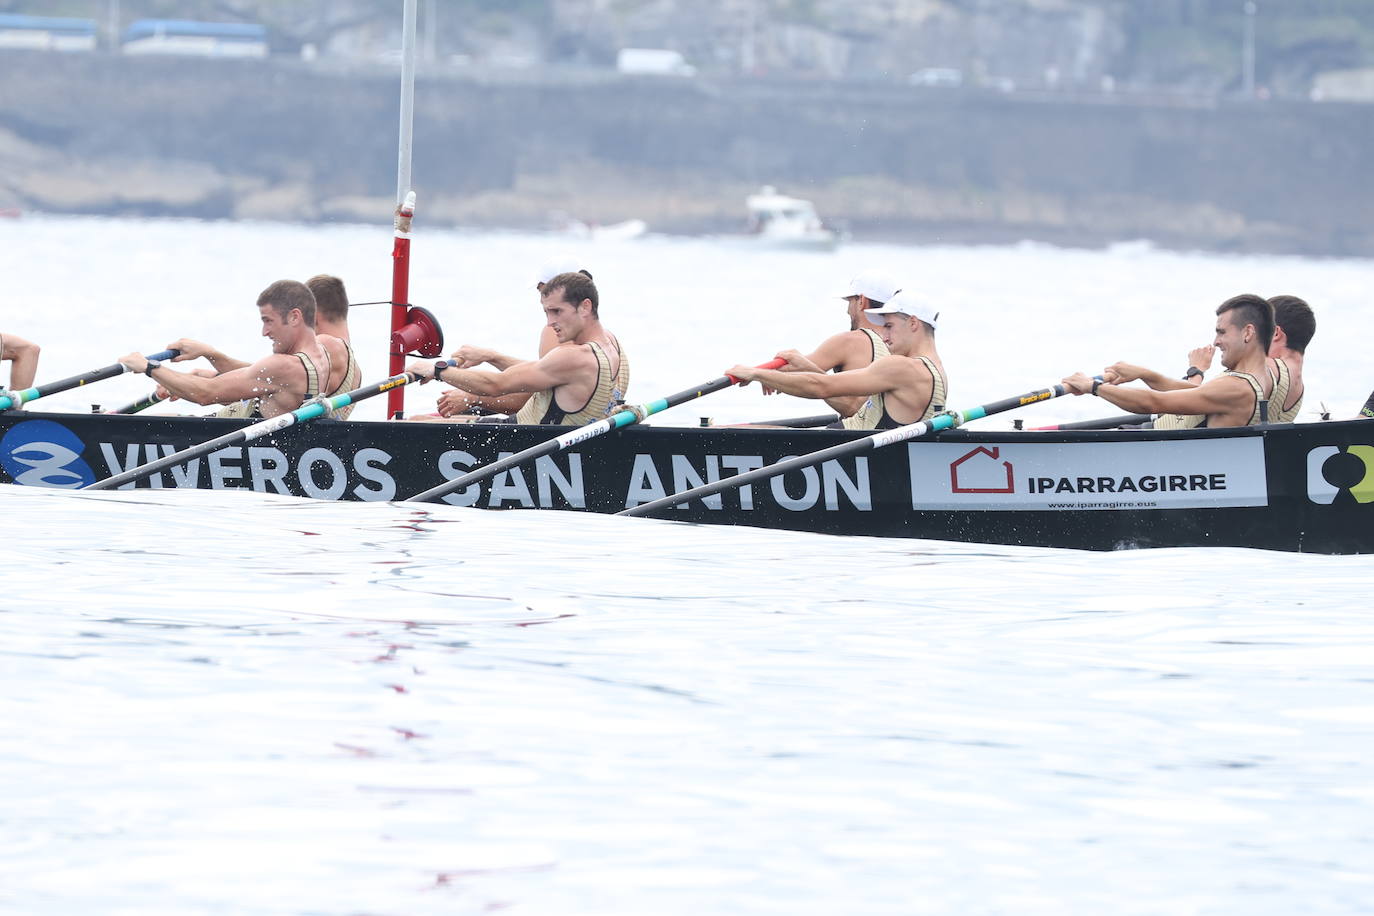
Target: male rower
(856, 348)
(904, 386)
(1294, 325)
(301, 366)
(576, 382)
(1237, 397)
(23, 357)
(331, 319)
(462, 406)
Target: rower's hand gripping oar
(15, 398)
(947, 420)
(308, 411)
(625, 417)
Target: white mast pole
(405, 210)
(407, 101)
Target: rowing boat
(1305, 487)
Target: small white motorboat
(788, 222)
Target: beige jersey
(252, 407)
(873, 406)
(874, 415)
(543, 409)
(1194, 421)
(1283, 387)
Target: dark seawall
(96, 133)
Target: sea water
(225, 702)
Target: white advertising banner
(1172, 474)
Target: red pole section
(400, 299)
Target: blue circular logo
(41, 453)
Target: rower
(1238, 397)
(302, 364)
(464, 407)
(904, 386)
(23, 357)
(331, 318)
(1294, 325)
(853, 349)
(580, 380)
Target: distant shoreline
(103, 135)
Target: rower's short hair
(1251, 309)
(285, 295)
(1296, 318)
(576, 286)
(331, 300)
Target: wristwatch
(1097, 383)
(1192, 371)
(152, 364)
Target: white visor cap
(555, 265)
(874, 284)
(905, 303)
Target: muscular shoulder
(277, 367)
(847, 350)
(569, 357)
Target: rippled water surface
(233, 703)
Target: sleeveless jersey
(1198, 421)
(543, 409)
(1283, 386)
(874, 415)
(879, 350)
(251, 408)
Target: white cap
(554, 265)
(874, 284)
(905, 303)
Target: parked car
(940, 77)
(657, 61)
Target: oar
(868, 443)
(820, 419)
(15, 398)
(1126, 419)
(596, 428)
(303, 414)
(140, 405)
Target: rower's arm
(547, 341)
(1121, 373)
(881, 376)
(561, 366)
(846, 349)
(23, 357)
(470, 357)
(1214, 397)
(195, 349)
(260, 379)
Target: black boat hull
(1306, 487)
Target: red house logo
(980, 472)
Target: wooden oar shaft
(303, 414)
(15, 398)
(580, 434)
(868, 443)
